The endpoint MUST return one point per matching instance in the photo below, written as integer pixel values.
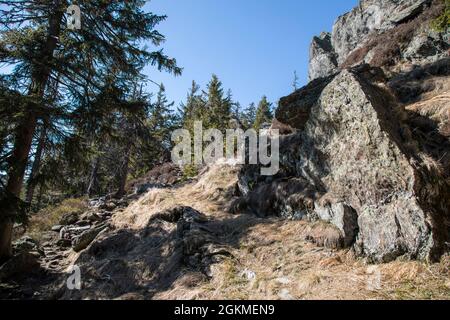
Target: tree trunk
(27, 126)
(93, 176)
(40, 195)
(6, 229)
(22, 145)
(31, 185)
(123, 178)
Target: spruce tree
(162, 122)
(34, 38)
(249, 116)
(295, 81)
(218, 111)
(263, 113)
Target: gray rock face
(370, 166)
(69, 218)
(352, 29)
(352, 149)
(393, 229)
(428, 46)
(364, 161)
(404, 28)
(323, 59)
(295, 109)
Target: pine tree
(218, 113)
(263, 113)
(162, 121)
(187, 110)
(194, 109)
(35, 40)
(249, 116)
(295, 81)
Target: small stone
(341, 216)
(57, 228)
(64, 243)
(248, 274)
(27, 244)
(46, 244)
(82, 241)
(283, 280)
(69, 218)
(83, 223)
(92, 217)
(108, 206)
(284, 294)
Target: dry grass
(272, 260)
(43, 220)
(415, 280)
(434, 167)
(208, 195)
(437, 108)
(286, 267)
(325, 235)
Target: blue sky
(254, 46)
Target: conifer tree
(218, 111)
(295, 81)
(162, 122)
(249, 116)
(263, 113)
(34, 38)
(188, 110)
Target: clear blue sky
(254, 46)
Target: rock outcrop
(161, 176)
(294, 110)
(353, 161)
(381, 33)
(352, 29)
(372, 153)
(323, 59)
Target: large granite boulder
(354, 150)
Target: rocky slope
(360, 206)
(372, 148)
(182, 243)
